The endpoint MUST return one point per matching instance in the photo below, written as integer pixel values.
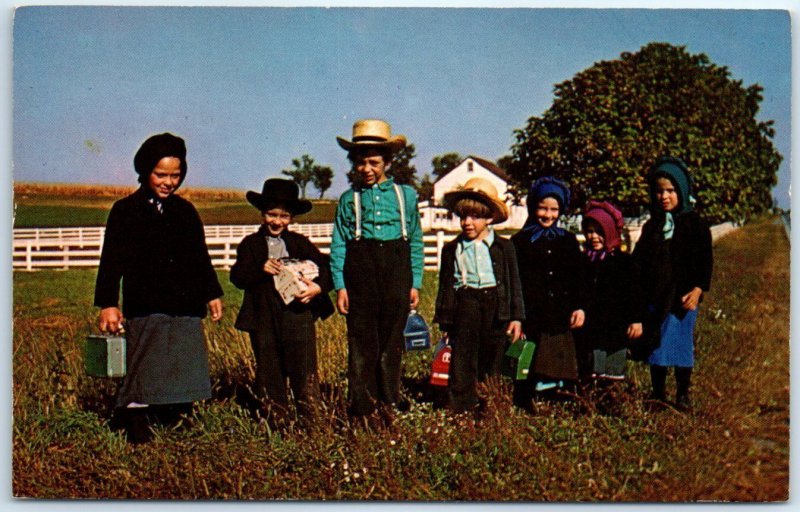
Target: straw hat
(481, 190)
(373, 133)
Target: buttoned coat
(551, 272)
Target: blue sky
(251, 88)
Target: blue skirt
(677, 342)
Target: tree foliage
(442, 164)
(305, 171)
(322, 179)
(425, 188)
(403, 172)
(609, 123)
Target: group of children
(586, 310)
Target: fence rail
(65, 248)
(81, 247)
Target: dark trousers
(286, 348)
(377, 277)
(478, 342)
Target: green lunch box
(517, 359)
(104, 356)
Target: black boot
(658, 377)
(683, 380)
(137, 425)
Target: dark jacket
(259, 287)
(688, 261)
(551, 272)
(161, 259)
(509, 292)
(614, 301)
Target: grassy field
(733, 447)
(38, 205)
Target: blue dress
(677, 341)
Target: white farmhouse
(436, 217)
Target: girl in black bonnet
(155, 245)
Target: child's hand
(215, 307)
(692, 299)
(111, 320)
(514, 330)
(634, 331)
(342, 301)
(310, 292)
(577, 318)
(413, 298)
(273, 266)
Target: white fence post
(439, 245)
(29, 256)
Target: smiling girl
(550, 267)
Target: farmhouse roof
(486, 164)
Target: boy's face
(594, 236)
(666, 195)
(547, 212)
(166, 177)
(276, 219)
(371, 167)
(475, 227)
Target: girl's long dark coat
(668, 270)
(614, 302)
(248, 274)
(551, 272)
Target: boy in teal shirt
(376, 266)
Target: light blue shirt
(380, 220)
(474, 263)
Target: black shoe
(137, 425)
(683, 403)
(403, 406)
(361, 408)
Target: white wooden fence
(65, 248)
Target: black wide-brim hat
(279, 192)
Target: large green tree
(609, 123)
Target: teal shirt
(474, 263)
(380, 220)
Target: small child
(479, 302)
(675, 260)
(613, 316)
(551, 270)
(282, 335)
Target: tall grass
(734, 447)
